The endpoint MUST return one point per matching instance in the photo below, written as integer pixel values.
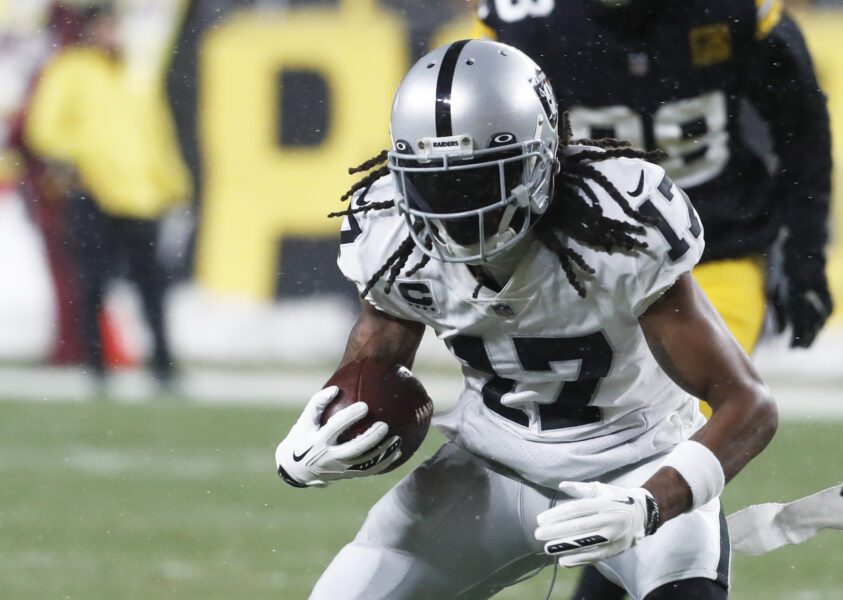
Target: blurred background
(269, 101)
(160, 484)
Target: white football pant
(457, 527)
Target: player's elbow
(761, 411)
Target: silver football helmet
(473, 156)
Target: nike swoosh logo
(640, 187)
(628, 500)
(298, 457)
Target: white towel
(760, 528)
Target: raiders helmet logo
(545, 93)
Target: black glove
(801, 299)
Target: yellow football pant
(736, 289)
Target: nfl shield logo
(503, 310)
(639, 63)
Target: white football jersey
(557, 387)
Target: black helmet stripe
(443, 88)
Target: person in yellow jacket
(115, 142)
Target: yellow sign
(256, 190)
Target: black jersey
(673, 75)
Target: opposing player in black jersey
(678, 76)
(682, 77)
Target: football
(393, 395)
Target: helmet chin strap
(521, 193)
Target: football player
(678, 76)
(557, 271)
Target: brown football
(393, 395)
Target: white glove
(310, 454)
(601, 521)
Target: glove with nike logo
(311, 456)
(598, 522)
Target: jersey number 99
(691, 131)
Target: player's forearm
(383, 338)
(737, 432)
(692, 345)
(740, 428)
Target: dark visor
(447, 192)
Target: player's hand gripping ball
(394, 396)
(368, 419)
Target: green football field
(172, 499)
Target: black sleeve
(784, 89)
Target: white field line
(207, 386)
(203, 386)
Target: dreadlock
(362, 209)
(368, 164)
(393, 264)
(366, 182)
(574, 212)
(428, 244)
(398, 260)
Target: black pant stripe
(725, 552)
